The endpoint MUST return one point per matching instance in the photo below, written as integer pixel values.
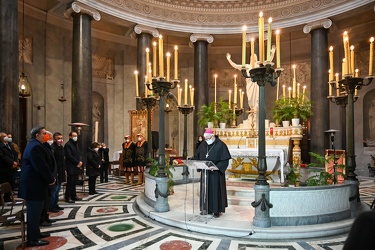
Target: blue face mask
(210, 141)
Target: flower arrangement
(287, 108)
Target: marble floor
(117, 219)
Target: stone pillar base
(262, 218)
(161, 204)
(353, 197)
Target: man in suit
(73, 163)
(36, 177)
(8, 163)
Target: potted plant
(154, 168)
(292, 177)
(206, 114)
(223, 113)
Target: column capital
(139, 28)
(323, 23)
(204, 37)
(84, 9)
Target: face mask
(210, 141)
(50, 142)
(5, 139)
(96, 149)
(139, 138)
(75, 138)
(9, 139)
(45, 138)
(127, 140)
(200, 139)
(104, 147)
(60, 141)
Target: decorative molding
(27, 50)
(80, 8)
(102, 67)
(201, 37)
(139, 28)
(325, 23)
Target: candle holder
(262, 75)
(253, 132)
(185, 110)
(236, 112)
(149, 102)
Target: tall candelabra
(161, 87)
(149, 103)
(185, 110)
(236, 112)
(262, 75)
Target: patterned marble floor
(111, 220)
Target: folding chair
(7, 217)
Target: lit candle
(343, 67)
(243, 46)
(168, 65)
(371, 56)
(179, 92)
(149, 75)
(346, 52)
(230, 97)
(298, 85)
(161, 57)
(147, 59)
(294, 81)
(356, 72)
(186, 92)
(294, 71)
(154, 58)
(241, 99)
(277, 48)
(252, 53)
(290, 92)
(215, 86)
(96, 131)
(136, 83)
(269, 38)
(337, 85)
(331, 63)
(352, 59)
(192, 97)
(356, 92)
(284, 92)
(304, 93)
(261, 36)
(235, 90)
(329, 88)
(176, 62)
(146, 89)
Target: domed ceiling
(219, 16)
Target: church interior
(85, 67)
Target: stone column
(82, 70)
(9, 69)
(319, 83)
(201, 42)
(144, 36)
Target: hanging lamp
(24, 87)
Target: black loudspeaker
(155, 140)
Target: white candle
(269, 38)
(371, 59)
(146, 89)
(190, 91)
(331, 63)
(278, 49)
(147, 59)
(243, 46)
(304, 93)
(337, 85)
(294, 71)
(192, 97)
(261, 36)
(241, 99)
(176, 62)
(230, 98)
(356, 72)
(284, 91)
(252, 53)
(346, 52)
(168, 66)
(298, 85)
(215, 86)
(96, 131)
(154, 58)
(290, 92)
(161, 57)
(235, 90)
(186, 92)
(352, 59)
(136, 83)
(179, 93)
(329, 88)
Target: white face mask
(200, 139)
(96, 149)
(139, 138)
(5, 139)
(75, 138)
(60, 141)
(210, 141)
(9, 139)
(104, 147)
(50, 142)
(127, 140)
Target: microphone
(238, 145)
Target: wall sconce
(24, 87)
(62, 95)
(78, 126)
(38, 107)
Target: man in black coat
(58, 152)
(73, 163)
(36, 177)
(8, 163)
(104, 152)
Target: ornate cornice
(80, 8)
(138, 29)
(221, 17)
(201, 37)
(324, 23)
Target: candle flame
(168, 54)
(215, 75)
(331, 48)
(293, 66)
(136, 72)
(235, 76)
(175, 47)
(154, 43)
(270, 20)
(277, 31)
(160, 37)
(244, 28)
(260, 14)
(352, 47)
(147, 50)
(371, 39)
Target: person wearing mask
(94, 160)
(45, 221)
(216, 151)
(104, 152)
(128, 161)
(14, 146)
(199, 141)
(36, 177)
(58, 152)
(8, 164)
(73, 163)
(141, 151)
